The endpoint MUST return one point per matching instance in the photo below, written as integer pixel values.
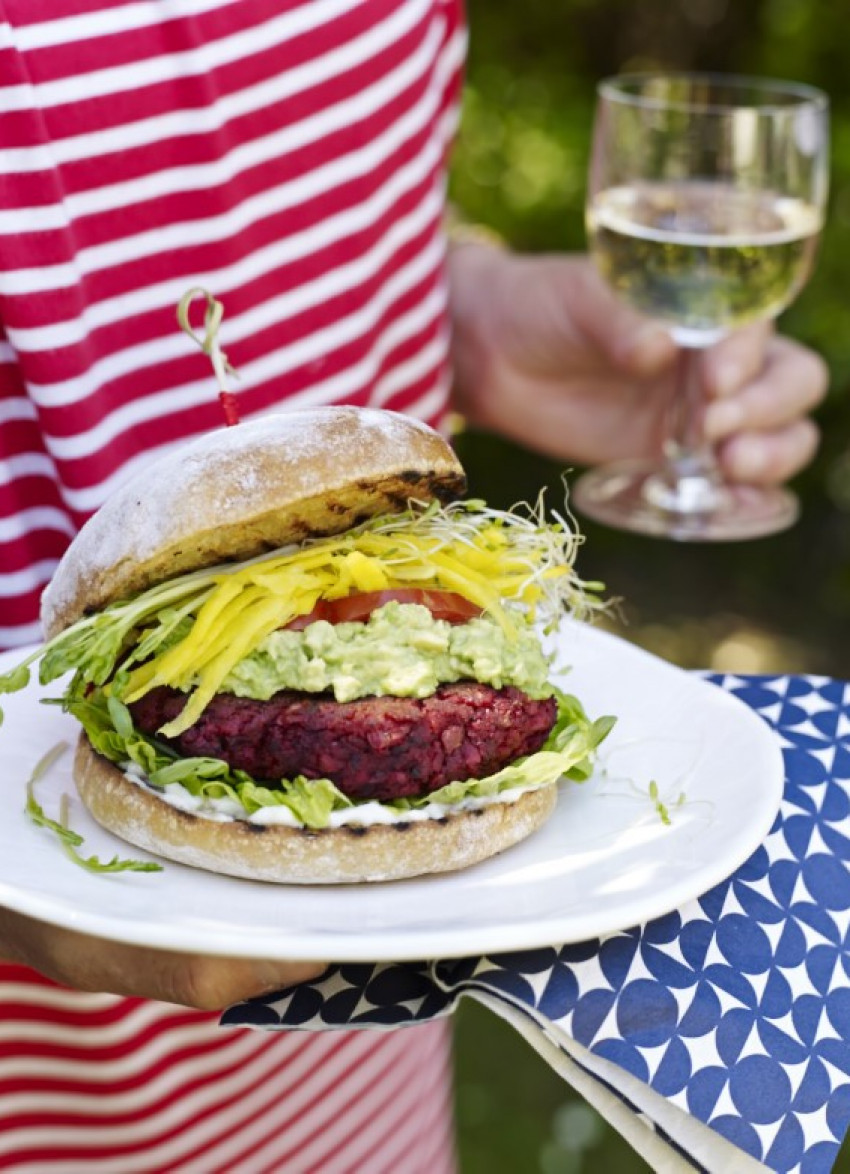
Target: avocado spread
(401, 651)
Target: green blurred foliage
(516, 1117)
(520, 167)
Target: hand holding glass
(705, 203)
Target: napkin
(716, 1037)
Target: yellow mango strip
(408, 573)
(367, 573)
(262, 620)
(492, 571)
(489, 562)
(139, 681)
(509, 574)
(530, 590)
(341, 580)
(274, 575)
(532, 594)
(288, 586)
(281, 577)
(473, 587)
(225, 591)
(302, 560)
(296, 596)
(193, 648)
(288, 580)
(175, 665)
(231, 621)
(195, 656)
(481, 547)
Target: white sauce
(369, 814)
(363, 815)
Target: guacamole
(400, 651)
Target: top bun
(238, 492)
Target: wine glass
(705, 204)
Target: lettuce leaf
(569, 752)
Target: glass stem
(690, 482)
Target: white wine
(703, 256)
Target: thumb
(213, 983)
(210, 984)
(634, 344)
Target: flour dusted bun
(242, 491)
(380, 852)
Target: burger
(299, 655)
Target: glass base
(639, 496)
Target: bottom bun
(303, 856)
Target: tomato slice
(319, 612)
(443, 605)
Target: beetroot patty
(374, 748)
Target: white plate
(604, 861)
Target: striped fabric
(96, 1083)
(288, 155)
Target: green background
(778, 604)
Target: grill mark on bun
(397, 500)
(446, 489)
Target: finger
(87, 963)
(793, 382)
(769, 458)
(637, 346)
(736, 360)
(210, 984)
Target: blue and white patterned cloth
(732, 1013)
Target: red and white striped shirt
(289, 156)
